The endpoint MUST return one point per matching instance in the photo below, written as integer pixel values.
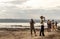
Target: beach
(22, 31)
(25, 34)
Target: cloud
(17, 1)
(22, 9)
(2, 1)
(40, 4)
(32, 4)
(14, 12)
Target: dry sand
(25, 34)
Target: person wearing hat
(42, 26)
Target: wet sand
(25, 34)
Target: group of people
(52, 26)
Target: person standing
(49, 25)
(32, 26)
(52, 25)
(42, 26)
(55, 25)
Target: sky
(27, 9)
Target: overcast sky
(26, 9)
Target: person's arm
(30, 22)
(44, 19)
(34, 22)
(47, 22)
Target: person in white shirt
(42, 25)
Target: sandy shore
(25, 34)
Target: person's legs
(31, 31)
(40, 33)
(34, 32)
(48, 28)
(43, 33)
(52, 27)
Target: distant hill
(15, 20)
(19, 20)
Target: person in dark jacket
(42, 26)
(32, 26)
